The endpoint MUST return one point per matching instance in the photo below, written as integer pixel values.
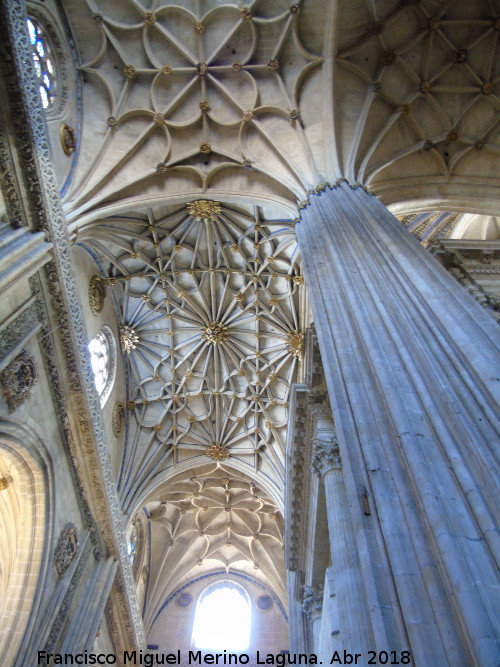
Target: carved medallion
(67, 137)
(128, 339)
(264, 603)
(97, 294)
(184, 600)
(66, 549)
(295, 346)
(118, 419)
(203, 209)
(17, 380)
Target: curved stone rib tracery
(425, 77)
(221, 95)
(206, 519)
(210, 309)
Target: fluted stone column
(355, 630)
(412, 368)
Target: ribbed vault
(210, 518)
(269, 101)
(212, 334)
(423, 77)
(436, 225)
(197, 95)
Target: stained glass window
(44, 63)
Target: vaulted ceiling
(211, 520)
(212, 333)
(255, 105)
(268, 101)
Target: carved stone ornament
(97, 294)
(17, 380)
(128, 339)
(325, 455)
(203, 209)
(67, 137)
(66, 549)
(118, 419)
(45, 202)
(295, 344)
(217, 452)
(215, 333)
(312, 600)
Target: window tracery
(44, 62)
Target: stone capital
(325, 455)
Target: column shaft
(355, 630)
(410, 365)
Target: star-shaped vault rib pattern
(212, 305)
(212, 518)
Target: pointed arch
(25, 506)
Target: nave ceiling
(211, 329)
(269, 101)
(212, 520)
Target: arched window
(44, 61)
(223, 618)
(102, 350)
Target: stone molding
(454, 260)
(18, 331)
(64, 608)
(9, 185)
(308, 403)
(86, 419)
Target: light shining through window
(99, 358)
(43, 60)
(223, 619)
